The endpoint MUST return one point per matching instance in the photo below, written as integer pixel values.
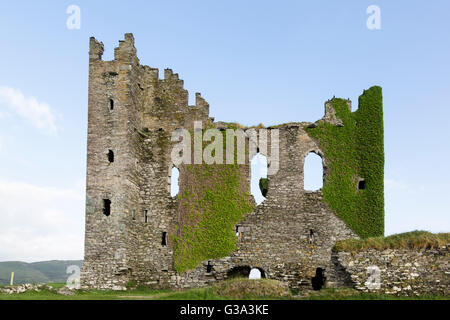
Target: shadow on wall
(318, 281)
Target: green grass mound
(408, 240)
(352, 294)
(242, 288)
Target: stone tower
(128, 205)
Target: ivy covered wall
(354, 151)
(212, 200)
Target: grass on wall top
(408, 240)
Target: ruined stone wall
(275, 236)
(398, 271)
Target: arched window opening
(255, 274)
(258, 179)
(313, 172)
(318, 281)
(110, 156)
(106, 207)
(311, 236)
(174, 182)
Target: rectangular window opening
(362, 184)
(106, 207)
(110, 156)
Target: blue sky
(254, 61)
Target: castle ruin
(136, 232)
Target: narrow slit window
(110, 156)
(145, 216)
(164, 239)
(209, 267)
(106, 207)
(311, 237)
(111, 104)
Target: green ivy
(212, 204)
(353, 151)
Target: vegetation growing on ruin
(212, 203)
(355, 151)
(264, 186)
(408, 240)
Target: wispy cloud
(39, 222)
(38, 114)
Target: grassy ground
(234, 289)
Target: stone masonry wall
(405, 272)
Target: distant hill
(36, 272)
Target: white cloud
(40, 223)
(38, 114)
